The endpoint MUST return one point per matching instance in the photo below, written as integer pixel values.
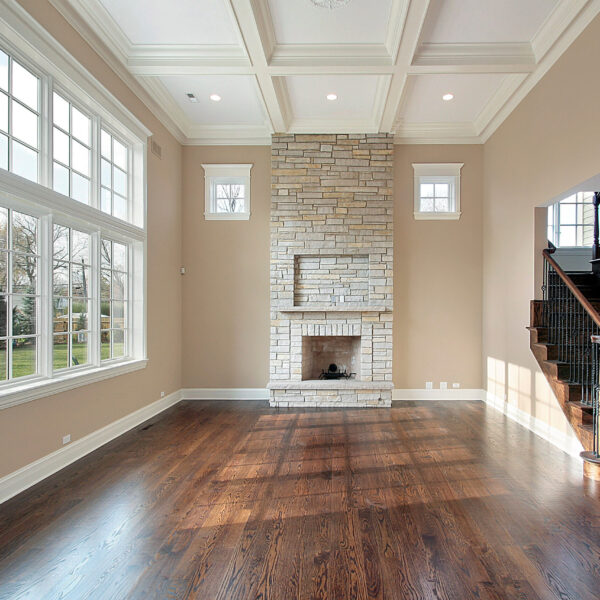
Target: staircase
(564, 338)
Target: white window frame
(238, 174)
(433, 173)
(31, 45)
(578, 198)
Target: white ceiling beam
(257, 47)
(415, 18)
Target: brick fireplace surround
(331, 269)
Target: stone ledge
(346, 307)
(323, 384)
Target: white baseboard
(437, 394)
(567, 443)
(225, 394)
(30, 474)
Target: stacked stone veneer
(331, 263)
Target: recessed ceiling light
(447, 97)
(215, 97)
(331, 96)
(191, 97)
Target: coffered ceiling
(274, 62)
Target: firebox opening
(321, 351)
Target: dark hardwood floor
(234, 500)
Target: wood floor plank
(237, 501)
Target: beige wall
(32, 430)
(549, 144)
(226, 285)
(437, 276)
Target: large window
(71, 150)
(72, 297)
(72, 230)
(19, 118)
(571, 221)
(114, 296)
(19, 294)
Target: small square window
(227, 192)
(437, 191)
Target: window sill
(227, 216)
(39, 388)
(440, 216)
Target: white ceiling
(299, 22)
(424, 103)
(273, 62)
(184, 21)
(479, 21)
(240, 99)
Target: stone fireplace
(331, 269)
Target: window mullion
(46, 295)
(44, 132)
(94, 303)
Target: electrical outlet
(182, 270)
(162, 394)
(429, 385)
(66, 438)
(456, 385)
(443, 385)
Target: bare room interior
(299, 299)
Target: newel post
(596, 245)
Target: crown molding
(258, 54)
(557, 22)
(562, 41)
(436, 133)
(396, 24)
(501, 57)
(510, 84)
(264, 23)
(87, 31)
(177, 59)
(229, 135)
(310, 55)
(414, 21)
(333, 126)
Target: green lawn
(24, 357)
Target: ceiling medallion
(331, 4)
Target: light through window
(72, 295)
(71, 150)
(114, 176)
(114, 279)
(19, 295)
(571, 221)
(19, 118)
(227, 191)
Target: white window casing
(222, 177)
(29, 43)
(433, 176)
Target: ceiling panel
(301, 22)
(424, 102)
(484, 21)
(240, 102)
(356, 96)
(174, 22)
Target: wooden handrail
(587, 305)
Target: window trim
(36, 50)
(556, 223)
(234, 172)
(437, 173)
